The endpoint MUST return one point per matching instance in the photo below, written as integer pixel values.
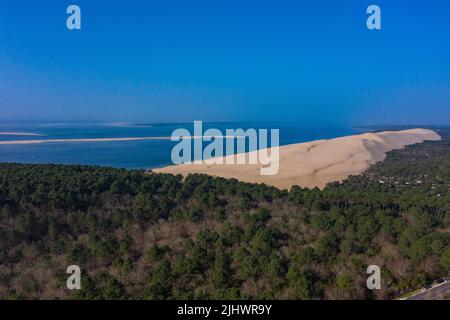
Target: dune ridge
(316, 163)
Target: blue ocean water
(130, 154)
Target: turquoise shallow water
(130, 154)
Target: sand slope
(314, 164)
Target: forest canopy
(141, 235)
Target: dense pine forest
(140, 235)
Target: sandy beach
(316, 163)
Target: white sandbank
(13, 142)
(19, 134)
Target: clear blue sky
(226, 60)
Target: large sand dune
(314, 164)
